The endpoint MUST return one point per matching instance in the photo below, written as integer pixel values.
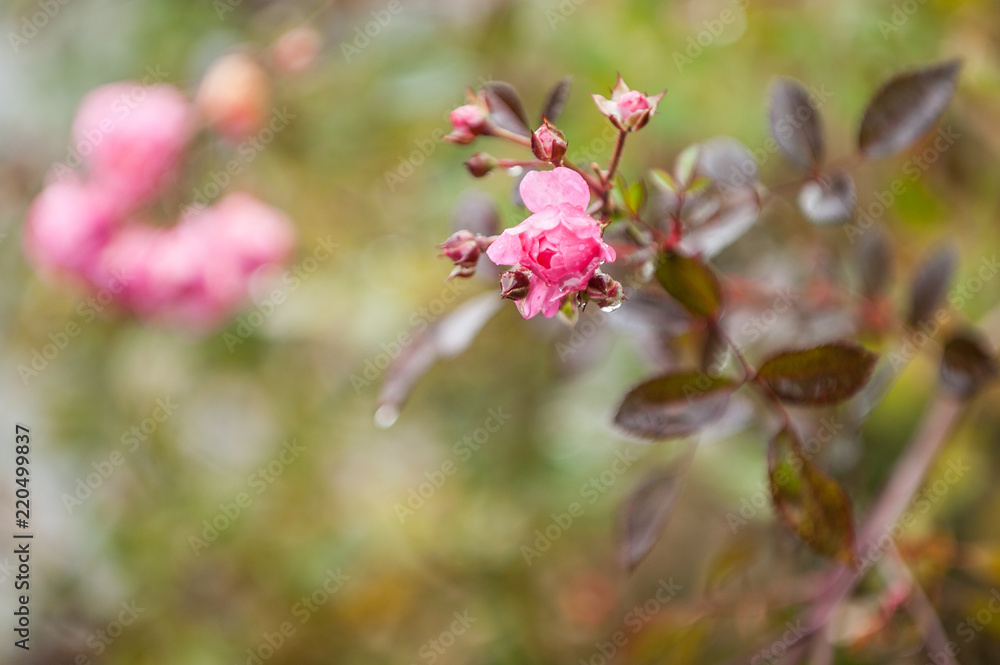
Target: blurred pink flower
(560, 244)
(67, 227)
(132, 137)
(197, 274)
(627, 109)
(252, 233)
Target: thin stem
(903, 484)
(502, 133)
(750, 374)
(922, 610)
(508, 163)
(609, 179)
(616, 157)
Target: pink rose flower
(467, 122)
(627, 109)
(67, 227)
(560, 244)
(132, 137)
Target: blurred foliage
(359, 117)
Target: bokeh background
(449, 583)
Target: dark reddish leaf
(814, 505)
(830, 199)
(930, 286)
(507, 107)
(875, 259)
(728, 162)
(674, 405)
(446, 338)
(967, 365)
(690, 282)
(906, 107)
(555, 101)
(644, 515)
(796, 123)
(476, 212)
(725, 225)
(824, 375)
(715, 350)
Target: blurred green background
(330, 515)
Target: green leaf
(824, 375)
(644, 515)
(690, 282)
(811, 503)
(665, 180)
(635, 197)
(674, 405)
(686, 164)
(967, 365)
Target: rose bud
(605, 292)
(469, 121)
(296, 50)
(480, 164)
(234, 97)
(464, 252)
(627, 109)
(548, 143)
(514, 284)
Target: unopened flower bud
(605, 292)
(480, 164)
(548, 143)
(234, 97)
(463, 250)
(297, 50)
(468, 122)
(514, 284)
(627, 109)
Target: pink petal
(619, 89)
(540, 189)
(506, 250)
(540, 299)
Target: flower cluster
(95, 229)
(555, 254)
(559, 246)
